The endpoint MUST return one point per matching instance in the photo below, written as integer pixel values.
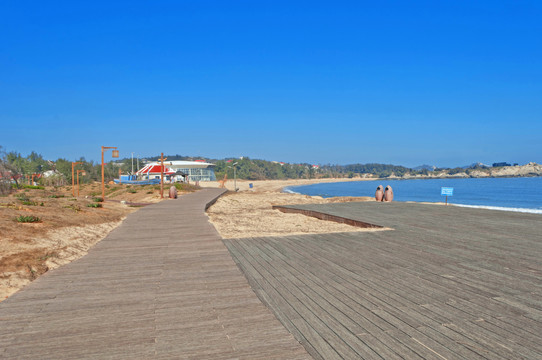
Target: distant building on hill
(499, 164)
(194, 170)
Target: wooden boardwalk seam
(160, 286)
(447, 283)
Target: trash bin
(388, 194)
(173, 192)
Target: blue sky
(446, 83)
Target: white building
(194, 170)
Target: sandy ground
(67, 229)
(25, 261)
(275, 185)
(249, 213)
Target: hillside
(530, 169)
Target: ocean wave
(500, 208)
(289, 191)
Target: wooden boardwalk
(446, 283)
(161, 286)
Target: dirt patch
(25, 261)
(67, 226)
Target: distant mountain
(425, 167)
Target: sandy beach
(249, 212)
(276, 185)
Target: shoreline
(277, 185)
(274, 185)
(473, 206)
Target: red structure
(154, 170)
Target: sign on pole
(447, 191)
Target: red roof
(155, 169)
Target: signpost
(447, 191)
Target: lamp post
(115, 155)
(73, 176)
(82, 172)
(234, 176)
(132, 164)
(162, 159)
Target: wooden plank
(421, 290)
(162, 285)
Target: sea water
(512, 194)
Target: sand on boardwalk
(52, 249)
(69, 227)
(249, 213)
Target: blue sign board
(448, 191)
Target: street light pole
(162, 159)
(115, 155)
(73, 176)
(132, 163)
(234, 176)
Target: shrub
(28, 219)
(30, 203)
(73, 207)
(97, 199)
(94, 205)
(48, 255)
(33, 187)
(186, 187)
(55, 196)
(132, 191)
